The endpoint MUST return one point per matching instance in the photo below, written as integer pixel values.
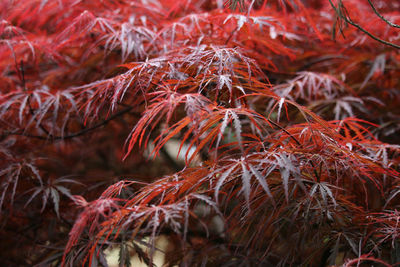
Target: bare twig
(349, 21)
(381, 17)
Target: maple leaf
(11, 176)
(52, 189)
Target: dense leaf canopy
(245, 133)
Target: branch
(169, 160)
(381, 17)
(82, 132)
(349, 21)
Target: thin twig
(82, 132)
(381, 17)
(349, 21)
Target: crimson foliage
(286, 115)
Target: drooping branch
(381, 17)
(348, 20)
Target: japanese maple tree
(246, 133)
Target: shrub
(284, 115)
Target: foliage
(288, 139)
